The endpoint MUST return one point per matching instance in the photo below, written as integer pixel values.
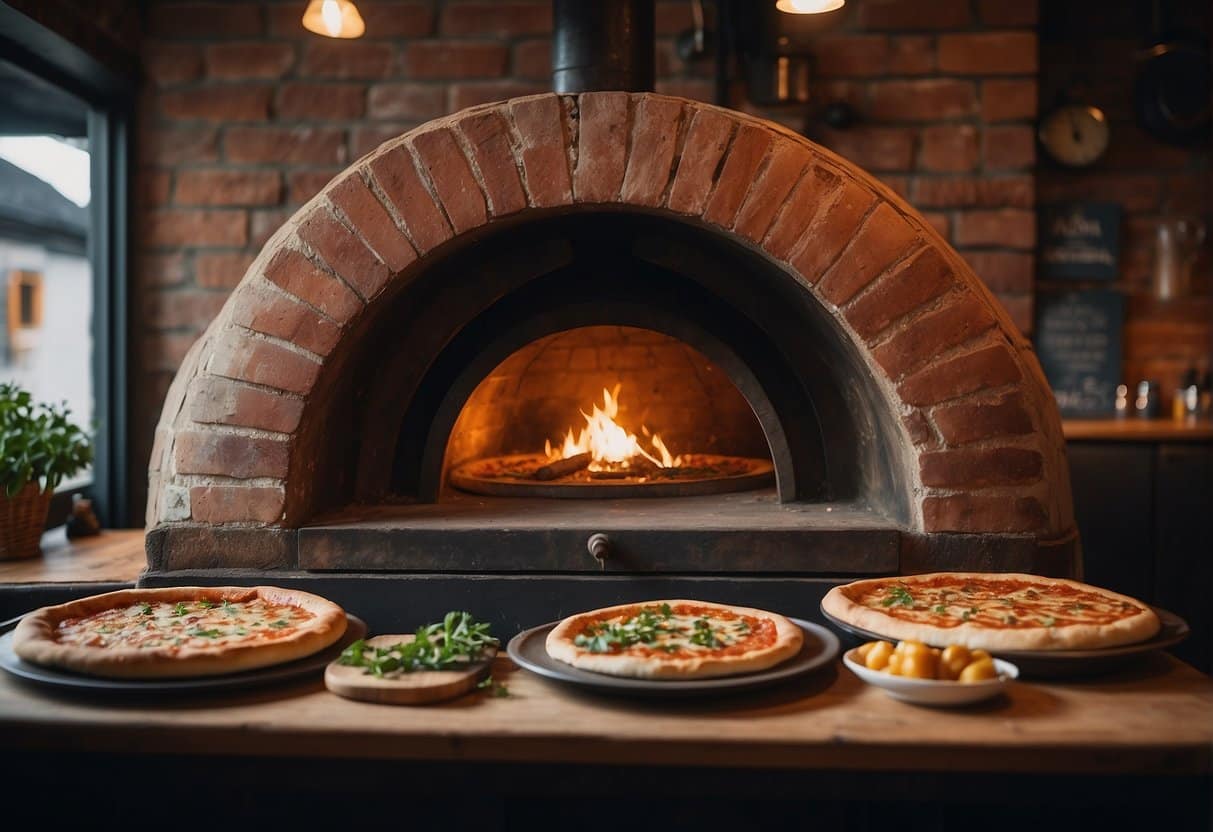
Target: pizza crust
(1138, 627)
(34, 638)
(559, 644)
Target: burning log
(562, 467)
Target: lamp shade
(809, 6)
(334, 19)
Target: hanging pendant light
(809, 6)
(334, 19)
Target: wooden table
(70, 569)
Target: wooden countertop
(1131, 429)
(114, 556)
(1153, 720)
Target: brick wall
(1088, 51)
(245, 116)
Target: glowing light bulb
(809, 6)
(334, 19)
(330, 13)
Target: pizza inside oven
(179, 631)
(992, 611)
(674, 639)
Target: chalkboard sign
(1078, 337)
(1079, 241)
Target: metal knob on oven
(599, 546)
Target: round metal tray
(528, 651)
(1055, 664)
(66, 680)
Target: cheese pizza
(992, 611)
(674, 640)
(179, 631)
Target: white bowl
(933, 691)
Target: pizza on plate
(674, 640)
(992, 611)
(179, 631)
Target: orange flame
(609, 444)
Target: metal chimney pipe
(603, 45)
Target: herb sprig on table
(456, 641)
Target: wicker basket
(22, 520)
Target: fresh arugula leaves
(207, 604)
(180, 608)
(145, 609)
(900, 595)
(457, 640)
(200, 633)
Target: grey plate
(315, 663)
(527, 650)
(1054, 664)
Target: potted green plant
(39, 446)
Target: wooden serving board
(415, 688)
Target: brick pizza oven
(466, 289)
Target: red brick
(922, 278)
(289, 145)
(298, 276)
(1008, 147)
(161, 269)
(782, 171)
(829, 234)
(371, 220)
(220, 104)
(344, 253)
(1002, 13)
(171, 63)
(1008, 100)
(911, 55)
(1003, 271)
(741, 162)
(810, 198)
(501, 19)
(224, 402)
(466, 94)
(654, 134)
(396, 174)
(454, 59)
(218, 504)
(262, 363)
(384, 20)
(948, 147)
(406, 100)
(451, 175)
(1136, 193)
(302, 185)
(182, 309)
(279, 315)
(988, 53)
(241, 457)
(960, 424)
(707, 137)
(326, 102)
(221, 270)
(981, 513)
(872, 147)
(923, 100)
(532, 60)
(955, 322)
(179, 228)
(1008, 227)
(851, 56)
(919, 428)
(153, 187)
(883, 239)
(347, 59)
(979, 192)
(228, 187)
(233, 61)
(601, 146)
(940, 221)
(197, 20)
(980, 467)
(488, 137)
(912, 14)
(166, 350)
(539, 122)
(365, 139)
(990, 366)
(174, 145)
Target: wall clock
(1075, 135)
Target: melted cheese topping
(195, 624)
(995, 604)
(678, 632)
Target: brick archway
(231, 445)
